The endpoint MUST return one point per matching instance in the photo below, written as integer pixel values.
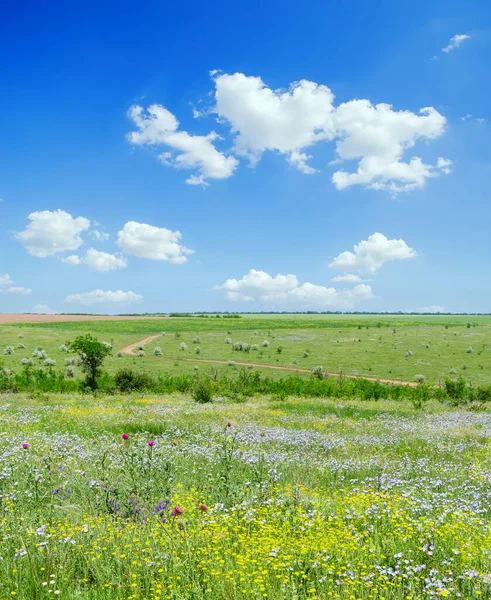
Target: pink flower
(151, 442)
(125, 436)
(203, 507)
(25, 446)
(229, 424)
(177, 511)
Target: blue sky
(392, 201)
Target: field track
(7, 319)
(131, 347)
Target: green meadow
(387, 347)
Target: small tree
(92, 354)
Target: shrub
(127, 380)
(63, 348)
(453, 371)
(254, 347)
(318, 372)
(41, 354)
(21, 347)
(108, 345)
(20, 336)
(9, 350)
(183, 346)
(158, 351)
(469, 350)
(119, 354)
(237, 346)
(49, 362)
(228, 340)
(419, 378)
(409, 353)
(26, 362)
(69, 362)
(279, 349)
(202, 391)
(231, 363)
(196, 340)
(141, 347)
(141, 353)
(305, 354)
(198, 350)
(265, 344)
(70, 372)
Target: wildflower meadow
(142, 497)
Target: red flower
(203, 507)
(125, 436)
(151, 442)
(177, 511)
(229, 424)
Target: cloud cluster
(7, 287)
(370, 255)
(294, 120)
(56, 232)
(104, 297)
(285, 289)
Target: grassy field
(285, 501)
(389, 347)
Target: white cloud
(52, 232)
(100, 236)
(5, 280)
(103, 261)
(7, 287)
(428, 309)
(158, 126)
(370, 255)
(347, 278)
(154, 243)
(289, 121)
(17, 290)
(299, 161)
(43, 309)
(285, 289)
(455, 42)
(104, 297)
(73, 259)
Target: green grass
(305, 499)
(438, 350)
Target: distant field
(390, 347)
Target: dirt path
(129, 350)
(130, 347)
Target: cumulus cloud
(285, 289)
(347, 278)
(154, 243)
(103, 261)
(17, 290)
(370, 255)
(100, 236)
(289, 121)
(158, 127)
(104, 297)
(73, 259)
(455, 42)
(52, 232)
(7, 287)
(43, 309)
(5, 280)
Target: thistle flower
(125, 436)
(203, 507)
(25, 445)
(177, 511)
(151, 442)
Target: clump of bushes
(9, 350)
(318, 372)
(63, 348)
(228, 340)
(202, 391)
(127, 380)
(70, 371)
(196, 340)
(469, 350)
(26, 362)
(157, 351)
(198, 350)
(419, 378)
(21, 347)
(265, 344)
(409, 353)
(183, 346)
(49, 362)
